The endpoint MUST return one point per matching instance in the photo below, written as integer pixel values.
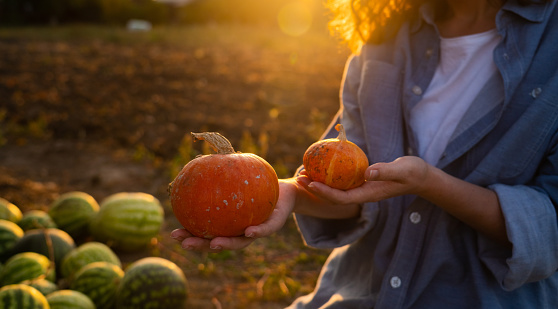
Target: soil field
(103, 110)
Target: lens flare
(295, 18)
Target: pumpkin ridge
(350, 156)
(356, 175)
(331, 168)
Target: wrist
(429, 183)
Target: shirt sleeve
(334, 233)
(531, 222)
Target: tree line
(37, 12)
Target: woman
(455, 103)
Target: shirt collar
(533, 12)
(426, 15)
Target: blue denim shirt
(405, 252)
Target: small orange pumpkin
(336, 162)
(222, 194)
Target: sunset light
(295, 18)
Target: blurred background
(100, 96)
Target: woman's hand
(283, 209)
(405, 175)
(474, 205)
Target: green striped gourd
(36, 241)
(36, 219)
(73, 211)
(69, 299)
(10, 234)
(42, 285)
(25, 266)
(21, 296)
(99, 281)
(128, 221)
(154, 283)
(87, 253)
(9, 211)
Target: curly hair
(360, 21)
(373, 21)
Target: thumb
(402, 169)
(377, 171)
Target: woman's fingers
(279, 216)
(273, 224)
(190, 242)
(180, 234)
(328, 193)
(229, 243)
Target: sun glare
(295, 18)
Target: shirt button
(415, 217)
(535, 92)
(417, 90)
(395, 282)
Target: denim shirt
(405, 252)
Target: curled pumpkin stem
(169, 188)
(218, 142)
(342, 135)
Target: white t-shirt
(466, 64)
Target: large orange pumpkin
(336, 162)
(222, 194)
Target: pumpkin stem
(218, 142)
(169, 188)
(342, 135)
